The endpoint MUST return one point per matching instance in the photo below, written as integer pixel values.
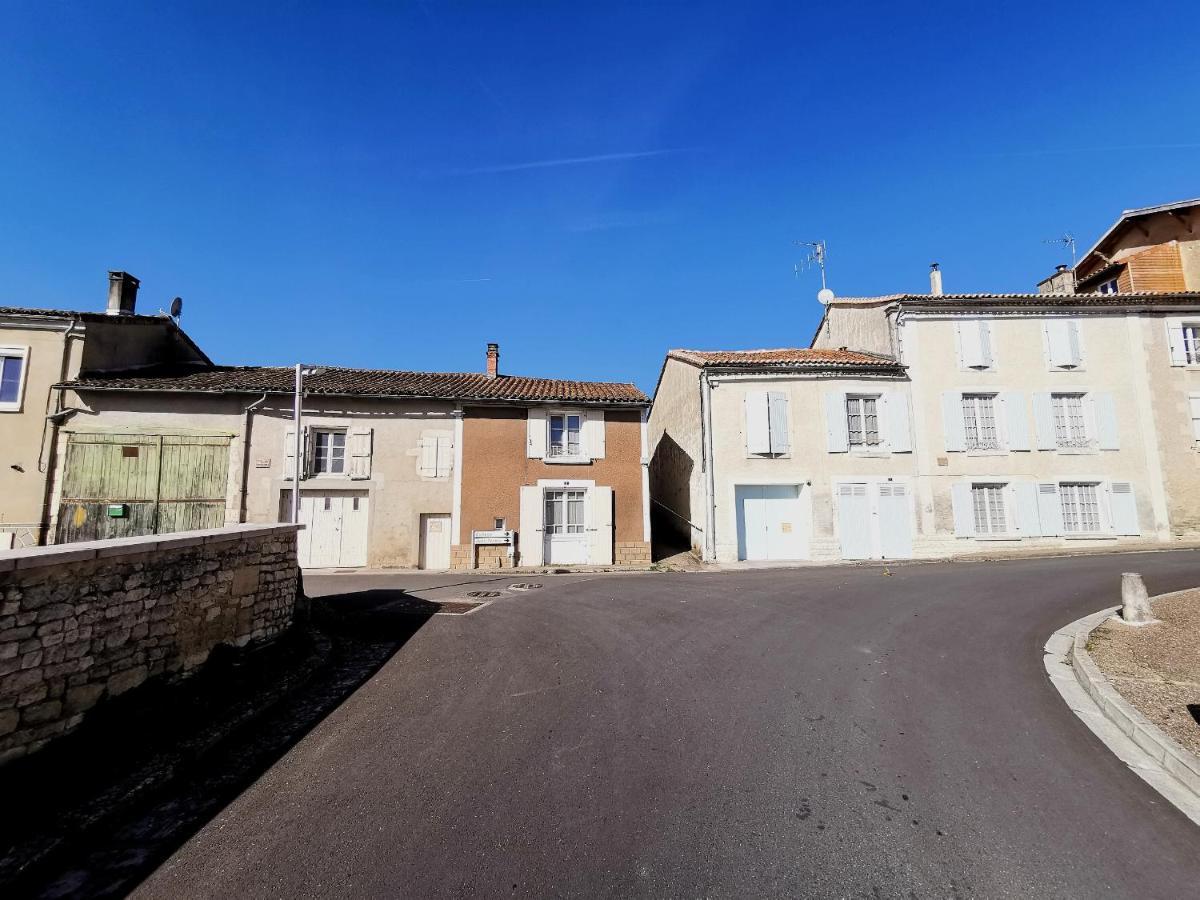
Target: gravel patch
(1157, 667)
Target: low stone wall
(632, 553)
(81, 622)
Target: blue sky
(588, 184)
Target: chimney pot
(935, 280)
(493, 360)
(122, 294)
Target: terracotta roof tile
(332, 380)
(786, 357)
(1148, 298)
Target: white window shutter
(1015, 420)
(427, 457)
(985, 343)
(536, 439)
(445, 456)
(1043, 420)
(964, 509)
(1124, 508)
(289, 454)
(836, 432)
(360, 441)
(1175, 342)
(530, 537)
(777, 411)
(1029, 521)
(1074, 344)
(600, 526)
(952, 420)
(1107, 431)
(1049, 509)
(1058, 342)
(975, 342)
(593, 438)
(899, 427)
(758, 434)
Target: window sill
(768, 456)
(1077, 451)
(997, 452)
(871, 454)
(1089, 537)
(10, 407)
(566, 460)
(997, 537)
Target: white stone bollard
(1135, 600)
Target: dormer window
(1109, 287)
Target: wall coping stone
(57, 554)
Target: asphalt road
(850, 732)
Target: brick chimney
(935, 280)
(122, 294)
(493, 360)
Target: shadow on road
(95, 813)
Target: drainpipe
(247, 425)
(48, 459)
(710, 507)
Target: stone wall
(81, 622)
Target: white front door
(335, 529)
(895, 522)
(771, 524)
(564, 527)
(435, 541)
(874, 520)
(854, 521)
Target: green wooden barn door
(123, 485)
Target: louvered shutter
(1124, 508)
(836, 434)
(1049, 509)
(289, 454)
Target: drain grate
(483, 593)
(523, 586)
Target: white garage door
(770, 522)
(335, 529)
(874, 520)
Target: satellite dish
(176, 307)
(825, 296)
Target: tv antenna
(816, 257)
(1069, 240)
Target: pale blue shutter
(1049, 509)
(1043, 420)
(964, 509)
(758, 433)
(952, 419)
(1106, 421)
(1124, 508)
(899, 433)
(1025, 497)
(835, 422)
(777, 410)
(1016, 420)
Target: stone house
(38, 349)
(956, 424)
(394, 468)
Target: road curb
(1156, 758)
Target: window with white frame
(990, 515)
(979, 422)
(1108, 287)
(566, 431)
(564, 512)
(1070, 422)
(328, 451)
(1190, 333)
(862, 420)
(12, 374)
(1080, 507)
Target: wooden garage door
(167, 482)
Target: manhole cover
(483, 593)
(523, 586)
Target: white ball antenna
(825, 296)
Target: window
(766, 423)
(564, 512)
(1191, 343)
(988, 502)
(1070, 427)
(862, 421)
(329, 452)
(1080, 508)
(12, 368)
(564, 435)
(1109, 287)
(979, 422)
(498, 523)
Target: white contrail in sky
(568, 161)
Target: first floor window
(862, 421)
(1191, 343)
(1070, 429)
(1080, 508)
(979, 421)
(11, 364)
(564, 434)
(329, 452)
(988, 500)
(564, 512)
